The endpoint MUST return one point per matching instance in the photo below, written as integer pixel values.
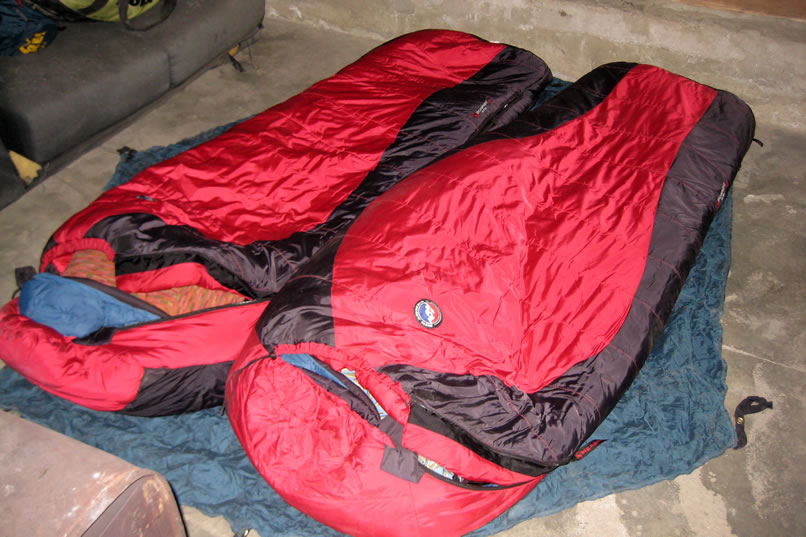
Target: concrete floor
(760, 490)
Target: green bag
(103, 10)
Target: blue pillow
(73, 308)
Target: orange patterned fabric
(95, 265)
(181, 300)
(91, 264)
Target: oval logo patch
(427, 313)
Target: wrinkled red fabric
(275, 174)
(532, 248)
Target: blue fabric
(24, 30)
(74, 309)
(309, 363)
(137, 161)
(670, 421)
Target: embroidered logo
(483, 108)
(585, 451)
(427, 313)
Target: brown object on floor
(56, 486)
(793, 9)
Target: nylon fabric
(117, 368)
(542, 271)
(336, 459)
(547, 427)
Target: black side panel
(695, 187)
(144, 242)
(166, 391)
(572, 102)
(302, 311)
(422, 417)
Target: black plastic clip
(127, 153)
(750, 405)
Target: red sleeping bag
(468, 332)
